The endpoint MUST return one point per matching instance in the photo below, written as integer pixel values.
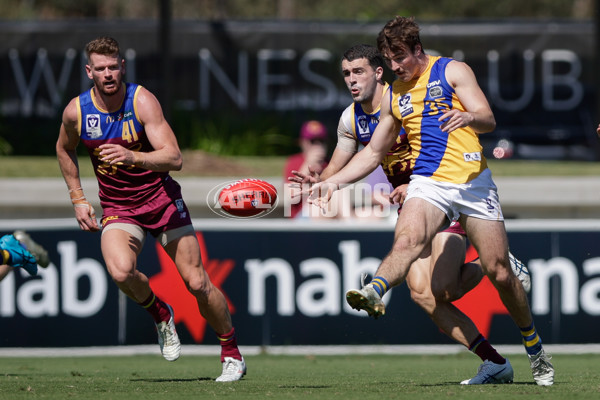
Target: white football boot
(490, 372)
(366, 299)
(520, 271)
(541, 368)
(233, 370)
(170, 346)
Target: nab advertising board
(285, 284)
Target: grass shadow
(161, 380)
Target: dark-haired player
(438, 276)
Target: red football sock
(157, 308)
(229, 346)
(485, 351)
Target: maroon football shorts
(164, 212)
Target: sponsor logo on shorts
(180, 208)
(472, 156)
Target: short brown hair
(102, 45)
(398, 33)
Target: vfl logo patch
(92, 126)
(363, 125)
(405, 105)
(472, 156)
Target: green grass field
(288, 377)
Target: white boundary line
(213, 350)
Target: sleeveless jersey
(447, 157)
(396, 163)
(120, 186)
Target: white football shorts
(477, 198)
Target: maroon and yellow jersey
(120, 186)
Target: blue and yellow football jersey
(456, 156)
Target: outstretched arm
(346, 147)
(365, 161)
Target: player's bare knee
(417, 296)
(443, 295)
(406, 242)
(438, 289)
(122, 278)
(500, 275)
(423, 299)
(121, 274)
(200, 287)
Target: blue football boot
(20, 256)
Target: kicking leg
(417, 224)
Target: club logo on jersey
(435, 91)
(405, 105)
(92, 126)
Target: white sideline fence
(214, 350)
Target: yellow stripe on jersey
(135, 95)
(78, 106)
